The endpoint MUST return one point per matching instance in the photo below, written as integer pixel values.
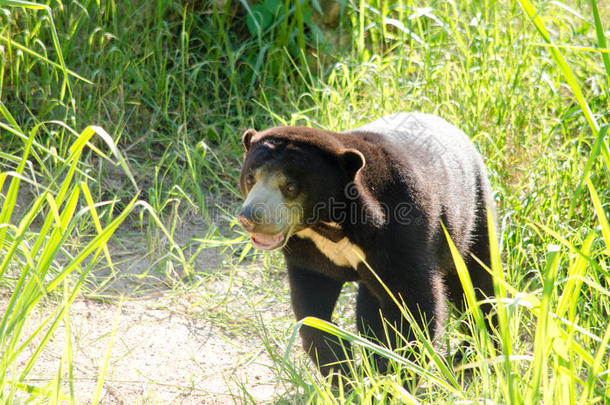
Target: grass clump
(40, 261)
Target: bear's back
(439, 161)
(427, 138)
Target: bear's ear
(246, 137)
(352, 160)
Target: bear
(376, 198)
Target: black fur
(389, 185)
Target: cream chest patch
(342, 253)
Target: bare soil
(156, 356)
(198, 343)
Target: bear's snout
(246, 223)
(252, 215)
(255, 215)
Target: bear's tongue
(267, 242)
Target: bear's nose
(251, 216)
(246, 223)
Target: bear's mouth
(267, 242)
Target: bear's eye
(290, 189)
(249, 179)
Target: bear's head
(293, 178)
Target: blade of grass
(574, 278)
(542, 341)
(595, 150)
(595, 371)
(43, 58)
(601, 39)
(104, 365)
(419, 334)
(503, 319)
(602, 51)
(601, 215)
(11, 195)
(469, 293)
(56, 43)
(567, 72)
(68, 351)
(375, 348)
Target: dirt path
(157, 356)
(197, 343)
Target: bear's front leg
(313, 294)
(381, 319)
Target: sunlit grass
(36, 263)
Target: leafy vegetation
(175, 83)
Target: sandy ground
(190, 346)
(164, 348)
(157, 356)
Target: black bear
(379, 194)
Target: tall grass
(38, 262)
(529, 81)
(566, 360)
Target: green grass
(526, 80)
